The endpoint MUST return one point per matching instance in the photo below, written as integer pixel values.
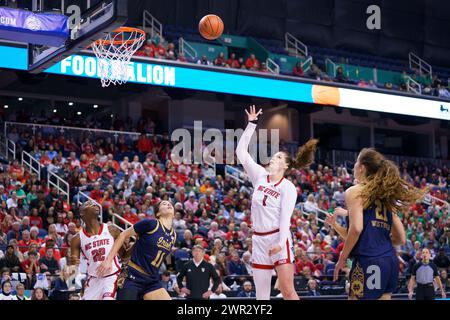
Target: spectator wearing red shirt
(45, 159)
(303, 261)
(24, 244)
(31, 265)
(34, 236)
(87, 146)
(92, 173)
(264, 68)
(115, 164)
(220, 60)
(96, 194)
(84, 161)
(148, 52)
(144, 144)
(252, 63)
(50, 243)
(233, 62)
(130, 216)
(73, 161)
(181, 58)
(17, 169)
(298, 70)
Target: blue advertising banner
(37, 28)
(191, 77)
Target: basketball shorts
(101, 288)
(137, 285)
(370, 277)
(260, 253)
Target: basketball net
(114, 54)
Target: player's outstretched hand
(339, 266)
(105, 268)
(252, 114)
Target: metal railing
(210, 167)
(317, 211)
(272, 66)
(82, 195)
(186, 49)
(60, 184)
(235, 173)
(116, 217)
(31, 164)
(3, 147)
(429, 199)
(413, 86)
(306, 65)
(63, 129)
(156, 27)
(298, 47)
(423, 66)
(10, 149)
(330, 64)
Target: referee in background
(198, 274)
(425, 273)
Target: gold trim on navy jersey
(156, 228)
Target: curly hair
(384, 183)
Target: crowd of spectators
(127, 178)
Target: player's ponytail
(305, 155)
(384, 183)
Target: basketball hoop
(114, 53)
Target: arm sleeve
(288, 200)
(253, 170)
(216, 278)
(145, 226)
(414, 269)
(435, 270)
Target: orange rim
(123, 30)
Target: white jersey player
(94, 242)
(273, 201)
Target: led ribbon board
(233, 83)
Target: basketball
(211, 27)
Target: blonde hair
(385, 184)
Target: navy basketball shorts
(137, 285)
(370, 277)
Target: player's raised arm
(125, 250)
(253, 170)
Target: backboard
(87, 21)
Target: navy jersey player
(155, 239)
(374, 227)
